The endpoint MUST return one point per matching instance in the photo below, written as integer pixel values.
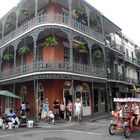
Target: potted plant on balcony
(97, 54)
(51, 41)
(79, 10)
(8, 23)
(7, 56)
(94, 20)
(24, 49)
(81, 47)
(24, 11)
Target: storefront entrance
(84, 97)
(66, 97)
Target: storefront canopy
(8, 94)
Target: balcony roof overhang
(109, 26)
(137, 51)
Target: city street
(97, 130)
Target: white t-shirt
(136, 111)
(23, 106)
(77, 106)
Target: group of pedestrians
(61, 111)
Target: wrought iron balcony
(51, 19)
(123, 78)
(132, 60)
(113, 45)
(57, 66)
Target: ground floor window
(23, 93)
(10, 102)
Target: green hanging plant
(24, 11)
(97, 54)
(95, 20)
(7, 56)
(79, 10)
(8, 23)
(24, 49)
(81, 47)
(50, 41)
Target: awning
(8, 94)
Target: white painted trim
(52, 72)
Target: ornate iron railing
(48, 19)
(55, 66)
(131, 60)
(123, 78)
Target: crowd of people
(60, 110)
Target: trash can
(30, 124)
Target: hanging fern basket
(7, 57)
(81, 48)
(24, 49)
(24, 11)
(97, 54)
(51, 41)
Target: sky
(124, 13)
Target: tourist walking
(69, 110)
(45, 110)
(78, 110)
(62, 110)
(56, 106)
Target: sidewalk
(59, 123)
(99, 117)
(65, 123)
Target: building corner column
(71, 51)
(35, 53)
(70, 11)
(36, 8)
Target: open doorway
(66, 97)
(83, 93)
(84, 97)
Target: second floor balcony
(55, 67)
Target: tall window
(10, 102)
(66, 51)
(23, 93)
(127, 54)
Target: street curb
(99, 118)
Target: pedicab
(122, 119)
